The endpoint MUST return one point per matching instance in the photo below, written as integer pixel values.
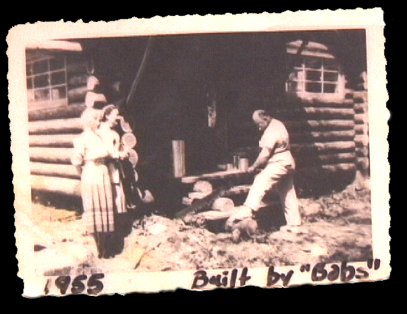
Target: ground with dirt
(335, 227)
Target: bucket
(243, 164)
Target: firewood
(197, 195)
(129, 140)
(133, 157)
(125, 126)
(223, 204)
(203, 187)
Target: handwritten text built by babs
(343, 272)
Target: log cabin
(188, 99)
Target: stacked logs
(52, 131)
(321, 135)
(361, 131)
(51, 135)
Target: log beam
(320, 125)
(63, 112)
(345, 167)
(56, 126)
(55, 140)
(54, 170)
(63, 186)
(324, 147)
(322, 136)
(51, 155)
(318, 113)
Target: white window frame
(52, 101)
(314, 51)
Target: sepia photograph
(198, 151)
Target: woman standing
(89, 158)
(111, 140)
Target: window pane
(313, 63)
(330, 88)
(41, 81)
(57, 63)
(57, 78)
(331, 65)
(313, 75)
(331, 76)
(42, 94)
(313, 87)
(58, 92)
(41, 67)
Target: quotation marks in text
(373, 263)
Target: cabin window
(46, 82)
(314, 72)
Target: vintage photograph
(198, 151)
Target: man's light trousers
(280, 177)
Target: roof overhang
(39, 50)
(56, 45)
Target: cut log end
(129, 140)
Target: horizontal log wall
(54, 170)
(53, 130)
(51, 154)
(63, 186)
(322, 134)
(362, 132)
(56, 126)
(71, 111)
(53, 140)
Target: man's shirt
(276, 137)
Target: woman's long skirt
(97, 198)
